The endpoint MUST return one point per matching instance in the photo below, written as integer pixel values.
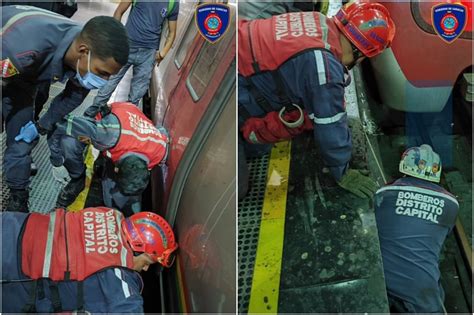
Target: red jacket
(137, 135)
(83, 242)
(265, 44)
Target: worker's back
(413, 219)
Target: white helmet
(421, 162)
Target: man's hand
(61, 174)
(28, 133)
(358, 183)
(158, 57)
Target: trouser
(142, 60)
(17, 110)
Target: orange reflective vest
(74, 245)
(137, 135)
(265, 44)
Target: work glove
(28, 133)
(61, 174)
(358, 183)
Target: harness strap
(55, 298)
(280, 86)
(80, 297)
(30, 307)
(262, 102)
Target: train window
(185, 44)
(206, 64)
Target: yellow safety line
(267, 269)
(80, 201)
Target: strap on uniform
(284, 99)
(30, 307)
(80, 297)
(55, 298)
(262, 102)
(171, 4)
(243, 112)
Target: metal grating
(249, 216)
(43, 188)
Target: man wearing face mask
(40, 46)
(292, 75)
(92, 267)
(128, 140)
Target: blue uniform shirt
(145, 22)
(35, 42)
(113, 290)
(413, 219)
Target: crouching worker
(414, 216)
(129, 141)
(293, 81)
(86, 261)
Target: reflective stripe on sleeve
(318, 55)
(126, 290)
(327, 120)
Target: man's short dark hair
(107, 38)
(133, 175)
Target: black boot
(18, 200)
(69, 192)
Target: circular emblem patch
(213, 23)
(449, 23)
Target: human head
(132, 175)
(421, 162)
(104, 40)
(151, 237)
(368, 28)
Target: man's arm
(160, 55)
(102, 134)
(70, 98)
(121, 9)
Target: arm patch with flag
(8, 69)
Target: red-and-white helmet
(367, 25)
(147, 232)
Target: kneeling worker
(85, 261)
(126, 136)
(414, 216)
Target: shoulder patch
(8, 68)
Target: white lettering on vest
(281, 26)
(100, 232)
(142, 126)
(419, 205)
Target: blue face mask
(90, 81)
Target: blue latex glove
(28, 133)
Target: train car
(192, 94)
(420, 70)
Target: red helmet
(147, 232)
(367, 25)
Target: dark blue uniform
(114, 290)
(34, 42)
(413, 219)
(314, 80)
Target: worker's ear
(83, 48)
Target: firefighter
(41, 46)
(292, 74)
(126, 137)
(86, 261)
(414, 216)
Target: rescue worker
(414, 216)
(126, 136)
(86, 261)
(144, 26)
(41, 46)
(292, 74)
